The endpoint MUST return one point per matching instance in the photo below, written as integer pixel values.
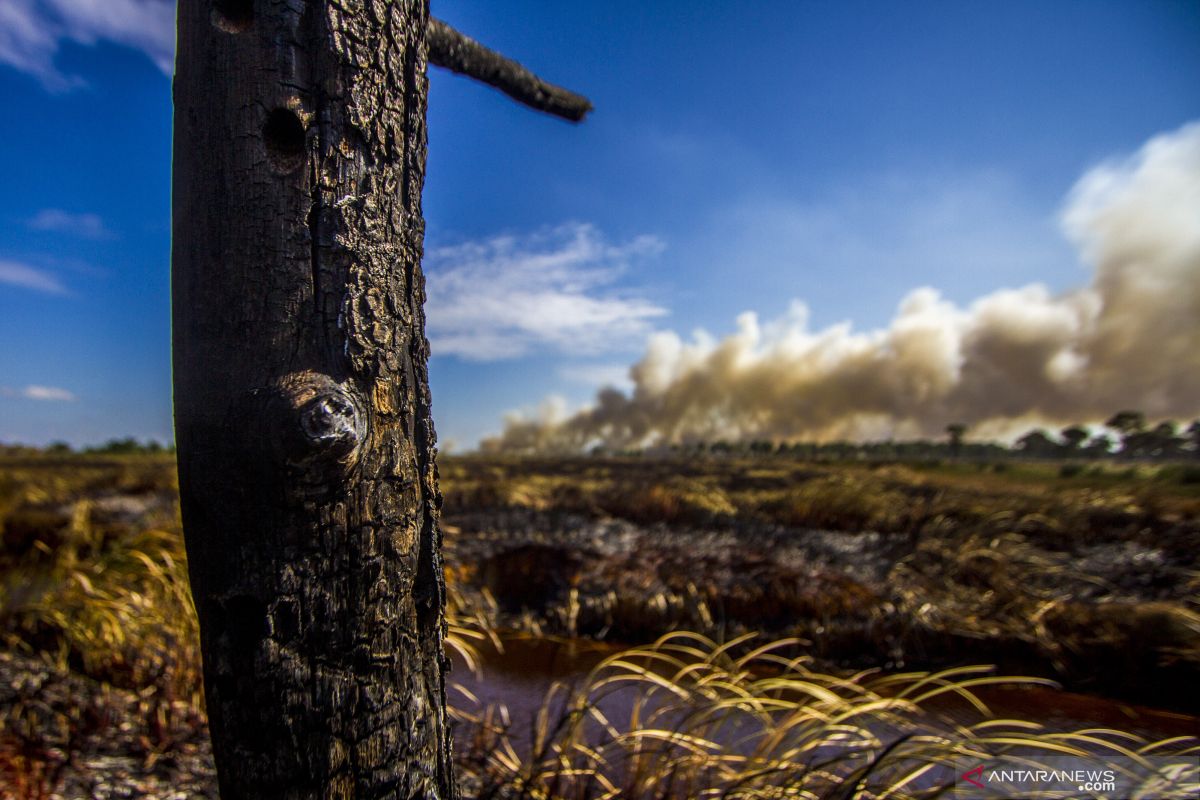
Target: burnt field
(1087, 576)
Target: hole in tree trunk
(233, 16)
(283, 135)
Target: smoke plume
(1011, 359)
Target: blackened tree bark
(305, 444)
(306, 449)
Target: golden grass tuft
(735, 720)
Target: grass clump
(125, 617)
(841, 503)
(703, 720)
(93, 572)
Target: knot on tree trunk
(316, 425)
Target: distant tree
(1193, 434)
(1128, 421)
(1101, 445)
(58, 449)
(956, 431)
(1163, 440)
(1131, 425)
(1037, 444)
(116, 446)
(1073, 436)
(123, 446)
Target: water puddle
(520, 676)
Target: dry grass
(850, 496)
(739, 721)
(98, 580)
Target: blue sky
(742, 156)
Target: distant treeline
(1126, 435)
(125, 446)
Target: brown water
(520, 676)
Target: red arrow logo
(977, 772)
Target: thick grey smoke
(1012, 359)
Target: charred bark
(306, 449)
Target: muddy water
(520, 676)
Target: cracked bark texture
(306, 449)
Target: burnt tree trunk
(302, 412)
(302, 416)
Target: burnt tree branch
(456, 52)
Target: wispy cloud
(27, 277)
(51, 394)
(55, 220)
(32, 31)
(552, 291)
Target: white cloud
(55, 220)
(27, 277)
(51, 394)
(32, 32)
(510, 296)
